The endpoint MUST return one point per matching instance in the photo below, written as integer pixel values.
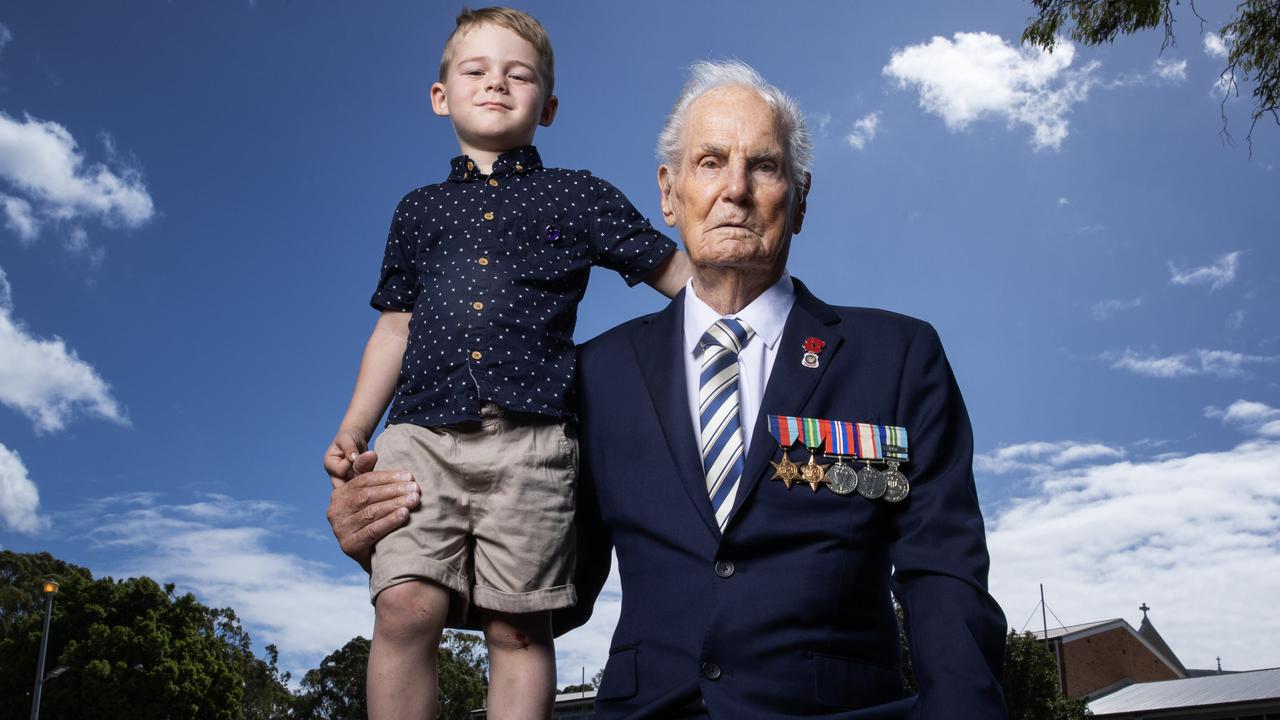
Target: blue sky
(194, 199)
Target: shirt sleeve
(622, 239)
(398, 282)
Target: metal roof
(1191, 692)
(1075, 629)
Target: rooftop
(1192, 692)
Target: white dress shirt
(766, 315)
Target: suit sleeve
(939, 551)
(594, 546)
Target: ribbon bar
(863, 441)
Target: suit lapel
(659, 348)
(791, 384)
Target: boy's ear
(439, 99)
(664, 189)
(549, 111)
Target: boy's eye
(518, 76)
(472, 72)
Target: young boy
(479, 290)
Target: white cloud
(1249, 415)
(1042, 456)
(1063, 202)
(19, 218)
(864, 131)
(588, 646)
(44, 379)
(5, 36)
(1196, 537)
(820, 121)
(41, 160)
(1172, 71)
(1218, 275)
(1214, 46)
(220, 548)
(19, 499)
(1104, 309)
(978, 75)
(1220, 363)
(1235, 320)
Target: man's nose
(737, 183)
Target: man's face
(729, 195)
(493, 90)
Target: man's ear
(664, 188)
(439, 99)
(549, 111)
(802, 203)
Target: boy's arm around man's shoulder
(669, 277)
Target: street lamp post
(49, 589)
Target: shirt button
(488, 216)
(710, 670)
(477, 305)
(519, 167)
(483, 261)
(493, 183)
(476, 354)
(471, 165)
(724, 569)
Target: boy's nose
(497, 82)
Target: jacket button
(724, 568)
(710, 670)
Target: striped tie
(718, 409)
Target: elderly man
(754, 587)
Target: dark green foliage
(132, 649)
(336, 689)
(1031, 682)
(464, 673)
(1252, 37)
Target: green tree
(464, 675)
(1251, 37)
(131, 649)
(1031, 689)
(336, 689)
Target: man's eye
(709, 163)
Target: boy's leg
(408, 622)
(522, 665)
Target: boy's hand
(339, 459)
(368, 507)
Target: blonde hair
(518, 22)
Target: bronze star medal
(785, 470)
(813, 473)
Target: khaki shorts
(496, 521)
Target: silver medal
(871, 482)
(896, 485)
(842, 478)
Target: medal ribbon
(863, 441)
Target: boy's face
(493, 91)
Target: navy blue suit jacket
(788, 612)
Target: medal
(812, 472)
(871, 482)
(785, 470)
(785, 430)
(841, 477)
(896, 485)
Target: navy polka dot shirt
(492, 268)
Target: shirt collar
(511, 162)
(767, 314)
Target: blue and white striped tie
(722, 445)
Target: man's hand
(363, 510)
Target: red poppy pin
(812, 347)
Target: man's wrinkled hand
(363, 510)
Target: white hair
(705, 76)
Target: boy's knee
(412, 610)
(517, 632)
